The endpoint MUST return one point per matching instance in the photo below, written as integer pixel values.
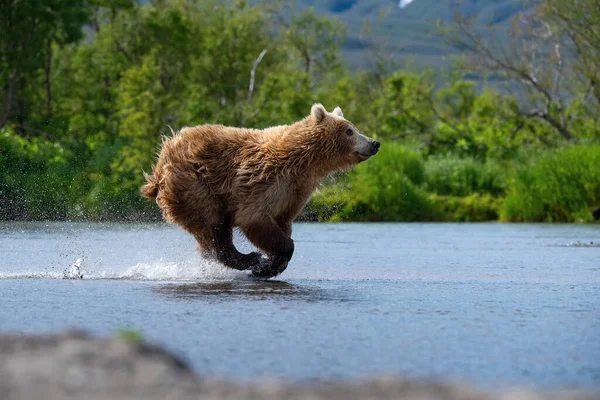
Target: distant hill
(410, 31)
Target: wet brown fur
(211, 178)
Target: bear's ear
(318, 112)
(338, 111)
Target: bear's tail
(150, 189)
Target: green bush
(396, 200)
(34, 178)
(325, 204)
(393, 160)
(387, 188)
(559, 186)
(472, 208)
(454, 176)
(392, 187)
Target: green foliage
(560, 186)
(398, 200)
(403, 106)
(326, 204)
(146, 69)
(387, 188)
(28, 31)
(471, 208)
(81, 119)
(33, 182)
(398, 185)
(453, 176)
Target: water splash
(74, 271)
(203, 270)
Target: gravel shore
(74, 365)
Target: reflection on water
(251, 290)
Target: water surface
(492, 304)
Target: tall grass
(454, 176)
(399, 185)
(559, 186)
(385, 188)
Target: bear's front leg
(268, 236)
(286, 227)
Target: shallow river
(491, 304)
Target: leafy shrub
(324, 205)
(559, 186)
(453, 176)
(391, 187)
(34, 183)
(386, 188)
(398, 199)
(472, 208)
(392, 160)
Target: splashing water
(160, 270)
(77, 251)
(206, 270)
(74, 272)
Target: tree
(579, 21)
(539, 58)
(27, 31)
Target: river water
(491, 304)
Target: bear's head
(341, 142)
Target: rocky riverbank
(74, 365)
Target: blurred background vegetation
(487, 110)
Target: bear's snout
(375, 147)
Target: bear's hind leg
(206, 244)
(226, 252)
(268, 236)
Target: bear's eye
(349, 132)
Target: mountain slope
(407, 32)
(410, 32)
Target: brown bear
(210, 179)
